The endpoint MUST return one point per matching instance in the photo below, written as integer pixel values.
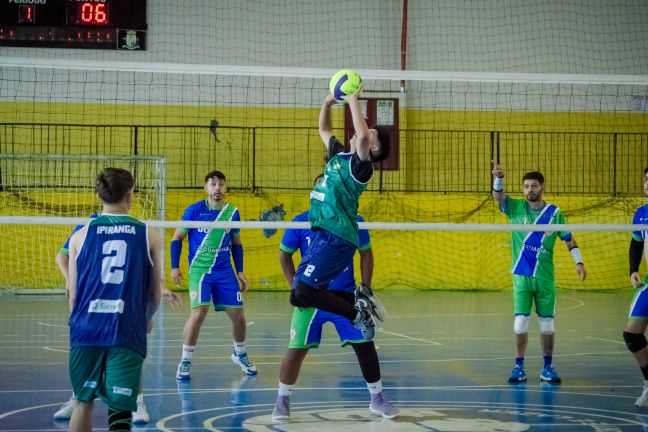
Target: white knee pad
(546, 325)
(521, 324)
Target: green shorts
(109, 373)
(530, 290)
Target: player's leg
(633, 334)
(228, 297)
(87, 376)
(121, 386)
(81, 419)
(200, 294)
(522, 302)
(305, 333)
(545, 300)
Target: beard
(533, 198)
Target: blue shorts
(327, 257)
(221, 287)
(639, 306)
(307, 323)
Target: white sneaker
(65, 412)
(141, 415)
(642, 401)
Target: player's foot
(549, 374)
(281, 409)
(376, 307)
(244, 362)
(642, 401)
(379, 405)
(65, 412)
(141, 415)
(518, 374)
(364, 321)
(184, 369)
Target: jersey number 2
(114, 252)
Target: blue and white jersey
(113, 286)
(210, 248)
(299, 239)
(640, 218)
(66, 246)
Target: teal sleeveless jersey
(334, 201)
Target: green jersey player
(532, 267)
(333, 217)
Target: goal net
(62, 186)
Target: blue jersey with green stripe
(209, 249)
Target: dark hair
(385, 144)
(317, 179)
(112, 184)
(215, 174)
(646, 171)
(534, 175)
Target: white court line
(51, 325)
(56, 350)
(605, 340)
(409, 337)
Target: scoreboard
(95, 24)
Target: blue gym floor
(445, 360)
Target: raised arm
(359, 125)
(325, 128)
(498, 182)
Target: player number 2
(114, 252)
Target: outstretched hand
(353, 95)
(330, 100)
(497, 171)
(580, 270)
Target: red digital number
(92, 13)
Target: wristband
(176, 251)
(498, 184)
(576, 255)
(237, 256)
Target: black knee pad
(635, 342)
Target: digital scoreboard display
(95, 24)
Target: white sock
(187, 351)
(239, 348)
(375, 388)
(140, 397)
(285, 389)
(646, 384)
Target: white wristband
(576, 255)
(498, 184)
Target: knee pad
(546, 325)
(521, 324)
(635, 342)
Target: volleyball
(344, 82)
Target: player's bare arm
(287, 266)
(575, 253)
(325, 128)
(362, 134)
(498, 182)
(366, 266)
(76, 241)
(176, 274)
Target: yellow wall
(423, 260)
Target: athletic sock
(187, 351)
(375, 388)
(239, 348)
(519, 361)
(285, 389)
(547, 360)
